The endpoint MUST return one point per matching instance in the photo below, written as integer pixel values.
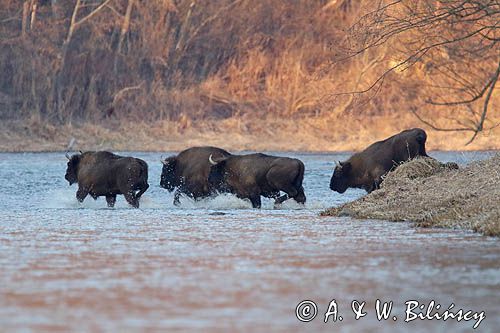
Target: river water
(218, 265)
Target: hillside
(266, 75)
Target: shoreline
(304, 135)
(431, 194)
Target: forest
(247, 74)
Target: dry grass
(235, 133)
(434, 195)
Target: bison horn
(67, 156)
(71, 143)
(163, 161)
(211, 160)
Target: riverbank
(236, 134)
(431, 195)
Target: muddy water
(220, 265)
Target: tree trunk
(59, 73)
(24, 22)
(34, 6)
(123, 32)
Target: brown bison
(188, 172)
(254, 175)
(365, 169)
(105, 174)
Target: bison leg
(81, 194)
(375, 185)
(256, 203)
(141, 192)
(131, 199)
(297, 195)
(281, 199)
(301, 196)
(177, 196)
(111, 199)
(290, 191)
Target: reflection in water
(218, 264)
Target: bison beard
(106, 174)
(255, 175)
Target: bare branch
(208, 20)
(461, 33)
(480, 125)
(466, 101)
(94, 12)
(442, 129)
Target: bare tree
(75, 23)
(453, 43)
(123, 31)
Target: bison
(255, 175)
(105, 174)
(365, 169)
(188, 172)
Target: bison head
(216, 176)
(340, 177)
(168, 180)
(72, 170)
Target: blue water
(218, 264)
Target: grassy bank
(263, 134)
(432, 195)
